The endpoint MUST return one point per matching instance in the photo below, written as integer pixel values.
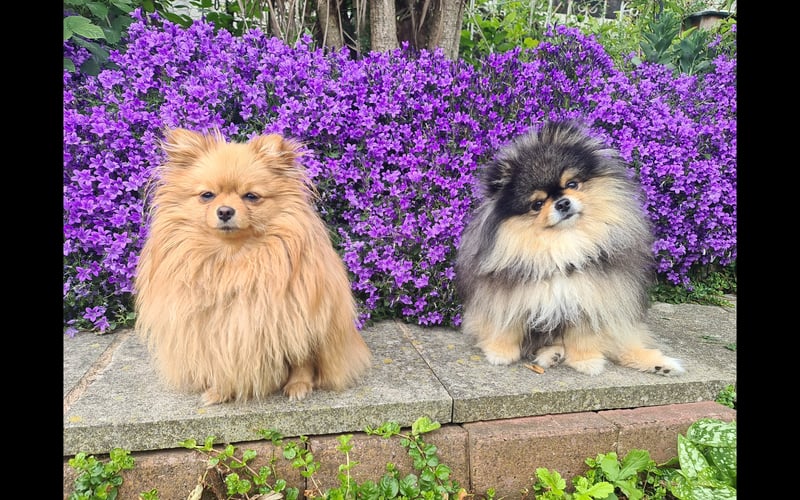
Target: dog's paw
(549, 356)
(297, 390)
(497, 358)
(501, 351)
(590, 366)
(212, 397)
(668, 368)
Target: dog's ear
(276, 144)
(183, 146)
(496, 176)
(282, 156)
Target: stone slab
(698, 335)
(127, 406)
(113, 397)
(81, 353)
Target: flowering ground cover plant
(394, 143)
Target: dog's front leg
(301, 380)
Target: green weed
(727, 396)
(99, 480)
(706, 288)
(704, 468)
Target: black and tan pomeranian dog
(239, 291)
(555, 264)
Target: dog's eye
(537, 205)
(207, 196)
(251, 197)
(573, 185)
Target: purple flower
(93, 313)
(394, 143)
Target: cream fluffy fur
(239, 292)
(555, 262)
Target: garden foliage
(705, 468)
(394, 142)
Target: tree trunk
(428, 24)
(445, 27)
(274, 21)
(382, 25)
(330, 28)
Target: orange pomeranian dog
(239, 291)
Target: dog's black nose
(225, 213)
(563, 205)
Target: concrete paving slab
(127, 406)
(113, 398)
(698, 335)
(703, 335)
(85, 349)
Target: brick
(175, 473)
(504, 454)
(499, 454)
(656, 428)
(373, 453)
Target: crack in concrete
(95, 370)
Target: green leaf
(387, 430)
(427, 477)
(117, 29)
(712, 432)
(634, 462)
(271, 435)
(181, 20)
(442, 472)
(69, 65)
(98, 10)
(723, 460)
(123, 5)
(630, 488)
(423, 425)
(369, 491)
(344, 443)
(409, 487)
(609, 464)
(121, 459)
(248, 455)
(292, 493)
(693, 462)
(389, 486)
(551, 480)
(81, 26)
(585, 492)
(709, 493)
(96, 50)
